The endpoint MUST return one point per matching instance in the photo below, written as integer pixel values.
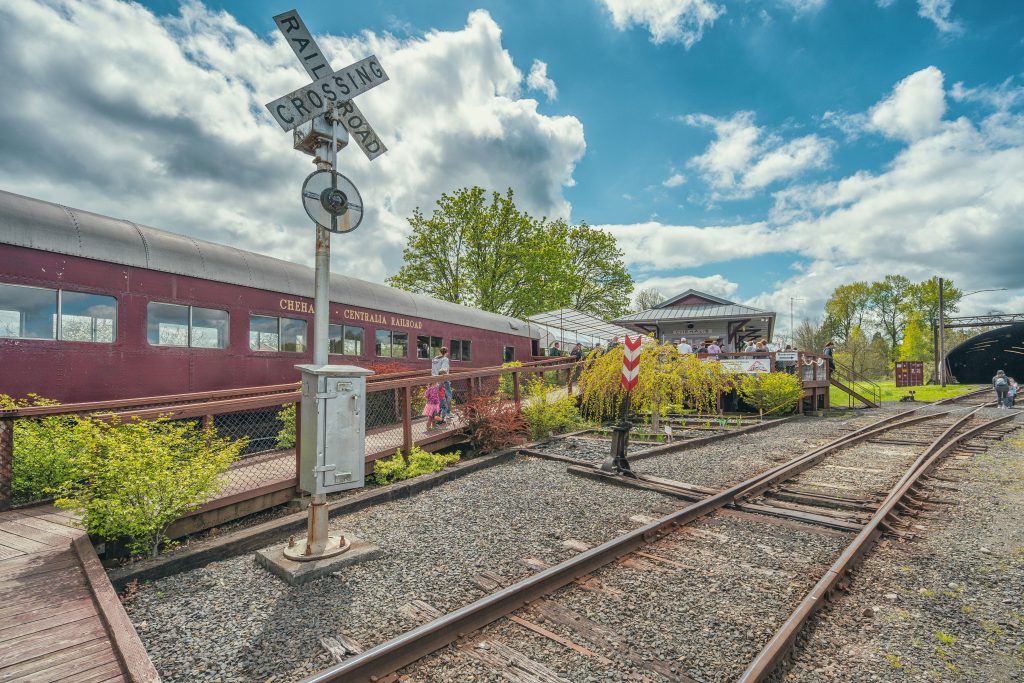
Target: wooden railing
(392, 425)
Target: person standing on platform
(555, 349)
(827, 353)
(1002, 386)
(615, 342)
(683, 347)
(577, 356)
(440, 366)
(714, 350)
(433, 405)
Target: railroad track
(978, 397)
(793, 503)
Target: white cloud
(169, 127)
(938, 11)
(538, 80)
(948, 203)
(804, 6)
(914, 109)
(675, 21)
(669, 286)
(674, 180)
(743, 158)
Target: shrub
(491, 424)
(46, 450)
(388, 470)
(505, 387)
(138, 477)
(286, 416)
(776, 392)
(666, 378)
(546, 416)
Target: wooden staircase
(856, 386)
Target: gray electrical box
(334, 411)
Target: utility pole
(792, 336)
(942, 337)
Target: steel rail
(406, 648)
(782, 642)
(954, 399)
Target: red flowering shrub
(492, 424)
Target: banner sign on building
(746, 366)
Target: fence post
(298, 444)
(407, 425)
(6, 461)
(515, 388)
(207, 424)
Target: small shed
(697, 316)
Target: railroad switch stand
(617, 461)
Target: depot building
(699, 316)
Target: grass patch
(930, 392)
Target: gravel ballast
(945, 606)
(233, 621)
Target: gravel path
(233, 621)
(946, 606)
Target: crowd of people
(1006, 390)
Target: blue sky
(760, 150)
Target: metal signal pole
(942, 337)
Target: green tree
(647, 299)
(846, 308)
(772, 393)
(917, 339)
(490, 255)
(889, 301)
(594, 279)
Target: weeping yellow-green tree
(665, 378)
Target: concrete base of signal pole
(617, 461)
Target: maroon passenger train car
(95, 308)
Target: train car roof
(37, 224)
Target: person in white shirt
(683, 347)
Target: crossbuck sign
(330, 90)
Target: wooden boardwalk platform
(60, 619)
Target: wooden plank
(126, 639)
(7, 553)
(24, 571)
(419, 611)
(31, 533)
(70, 584)
(514, 666)
(101, 674)
(53, 640)
(63, 617)
(18, 614)
(57, 666)
(340, 647)
(43, 524)
(600, 636)
(536, 628)
(16, 542)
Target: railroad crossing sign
(330, 91)
(631, 362)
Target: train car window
(392, 344)
(293, 335)
(28, 312)
(209, 328)
(399, 345)
(167, 324)
(264, 334)
(346, 340)
(460, 349)
(87, 317)
(427, 347)
(353, 341)
(509, 355)
(382, 347)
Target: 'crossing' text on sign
(310, 101)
